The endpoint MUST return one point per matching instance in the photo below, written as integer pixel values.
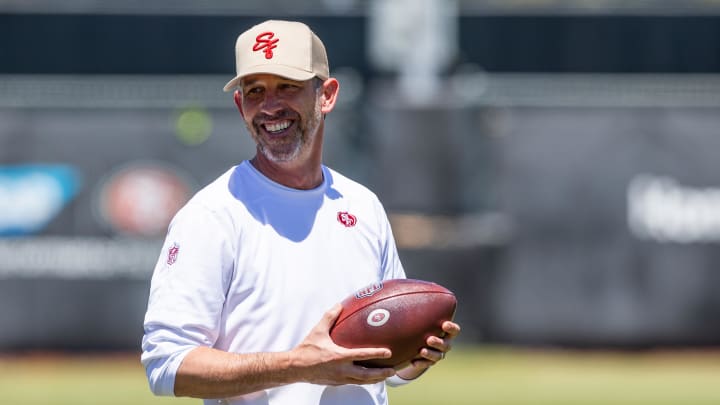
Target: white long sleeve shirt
(249, 265)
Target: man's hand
(320, 361)
(212, 373)
(437, 348)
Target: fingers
(352, 373)
(438, 347)
(369, 353)
(422, 363)
(451, 329)
(364, 375)
(433, 355)
(442, 345)
(343, 369)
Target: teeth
(277, 127)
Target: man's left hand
(435, 351)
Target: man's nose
(272, 103)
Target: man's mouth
(277, 127)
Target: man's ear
(330, 90)
(238, 102)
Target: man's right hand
(321, 361)
(210, 373)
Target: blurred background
(553, 162)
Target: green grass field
(483, 375)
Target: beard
(291, 146)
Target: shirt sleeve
(187, 292)
(397, 381)
(391, 266)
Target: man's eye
(253, 90)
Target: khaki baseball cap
(284, 48)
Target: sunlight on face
(282, 116)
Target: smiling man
(252, 270)
(285, 118)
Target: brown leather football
(396, 314)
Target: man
(253, 267)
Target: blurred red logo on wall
(141, 198)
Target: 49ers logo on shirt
(347, 219)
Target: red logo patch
(265, 42)
(346, 219)
(173, 254)
(378, 317)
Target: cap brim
(283, 71)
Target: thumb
(331, 316)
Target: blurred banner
(615, 214)
(92, 171)
(588, 225)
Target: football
(396, 314)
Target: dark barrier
(199, 44)
(617, 220)
(83, 314)
(587, 226)
(614, 217)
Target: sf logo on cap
(265, 42)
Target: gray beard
(307, 133)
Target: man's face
(282, 115)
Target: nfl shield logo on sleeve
(173, 254)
